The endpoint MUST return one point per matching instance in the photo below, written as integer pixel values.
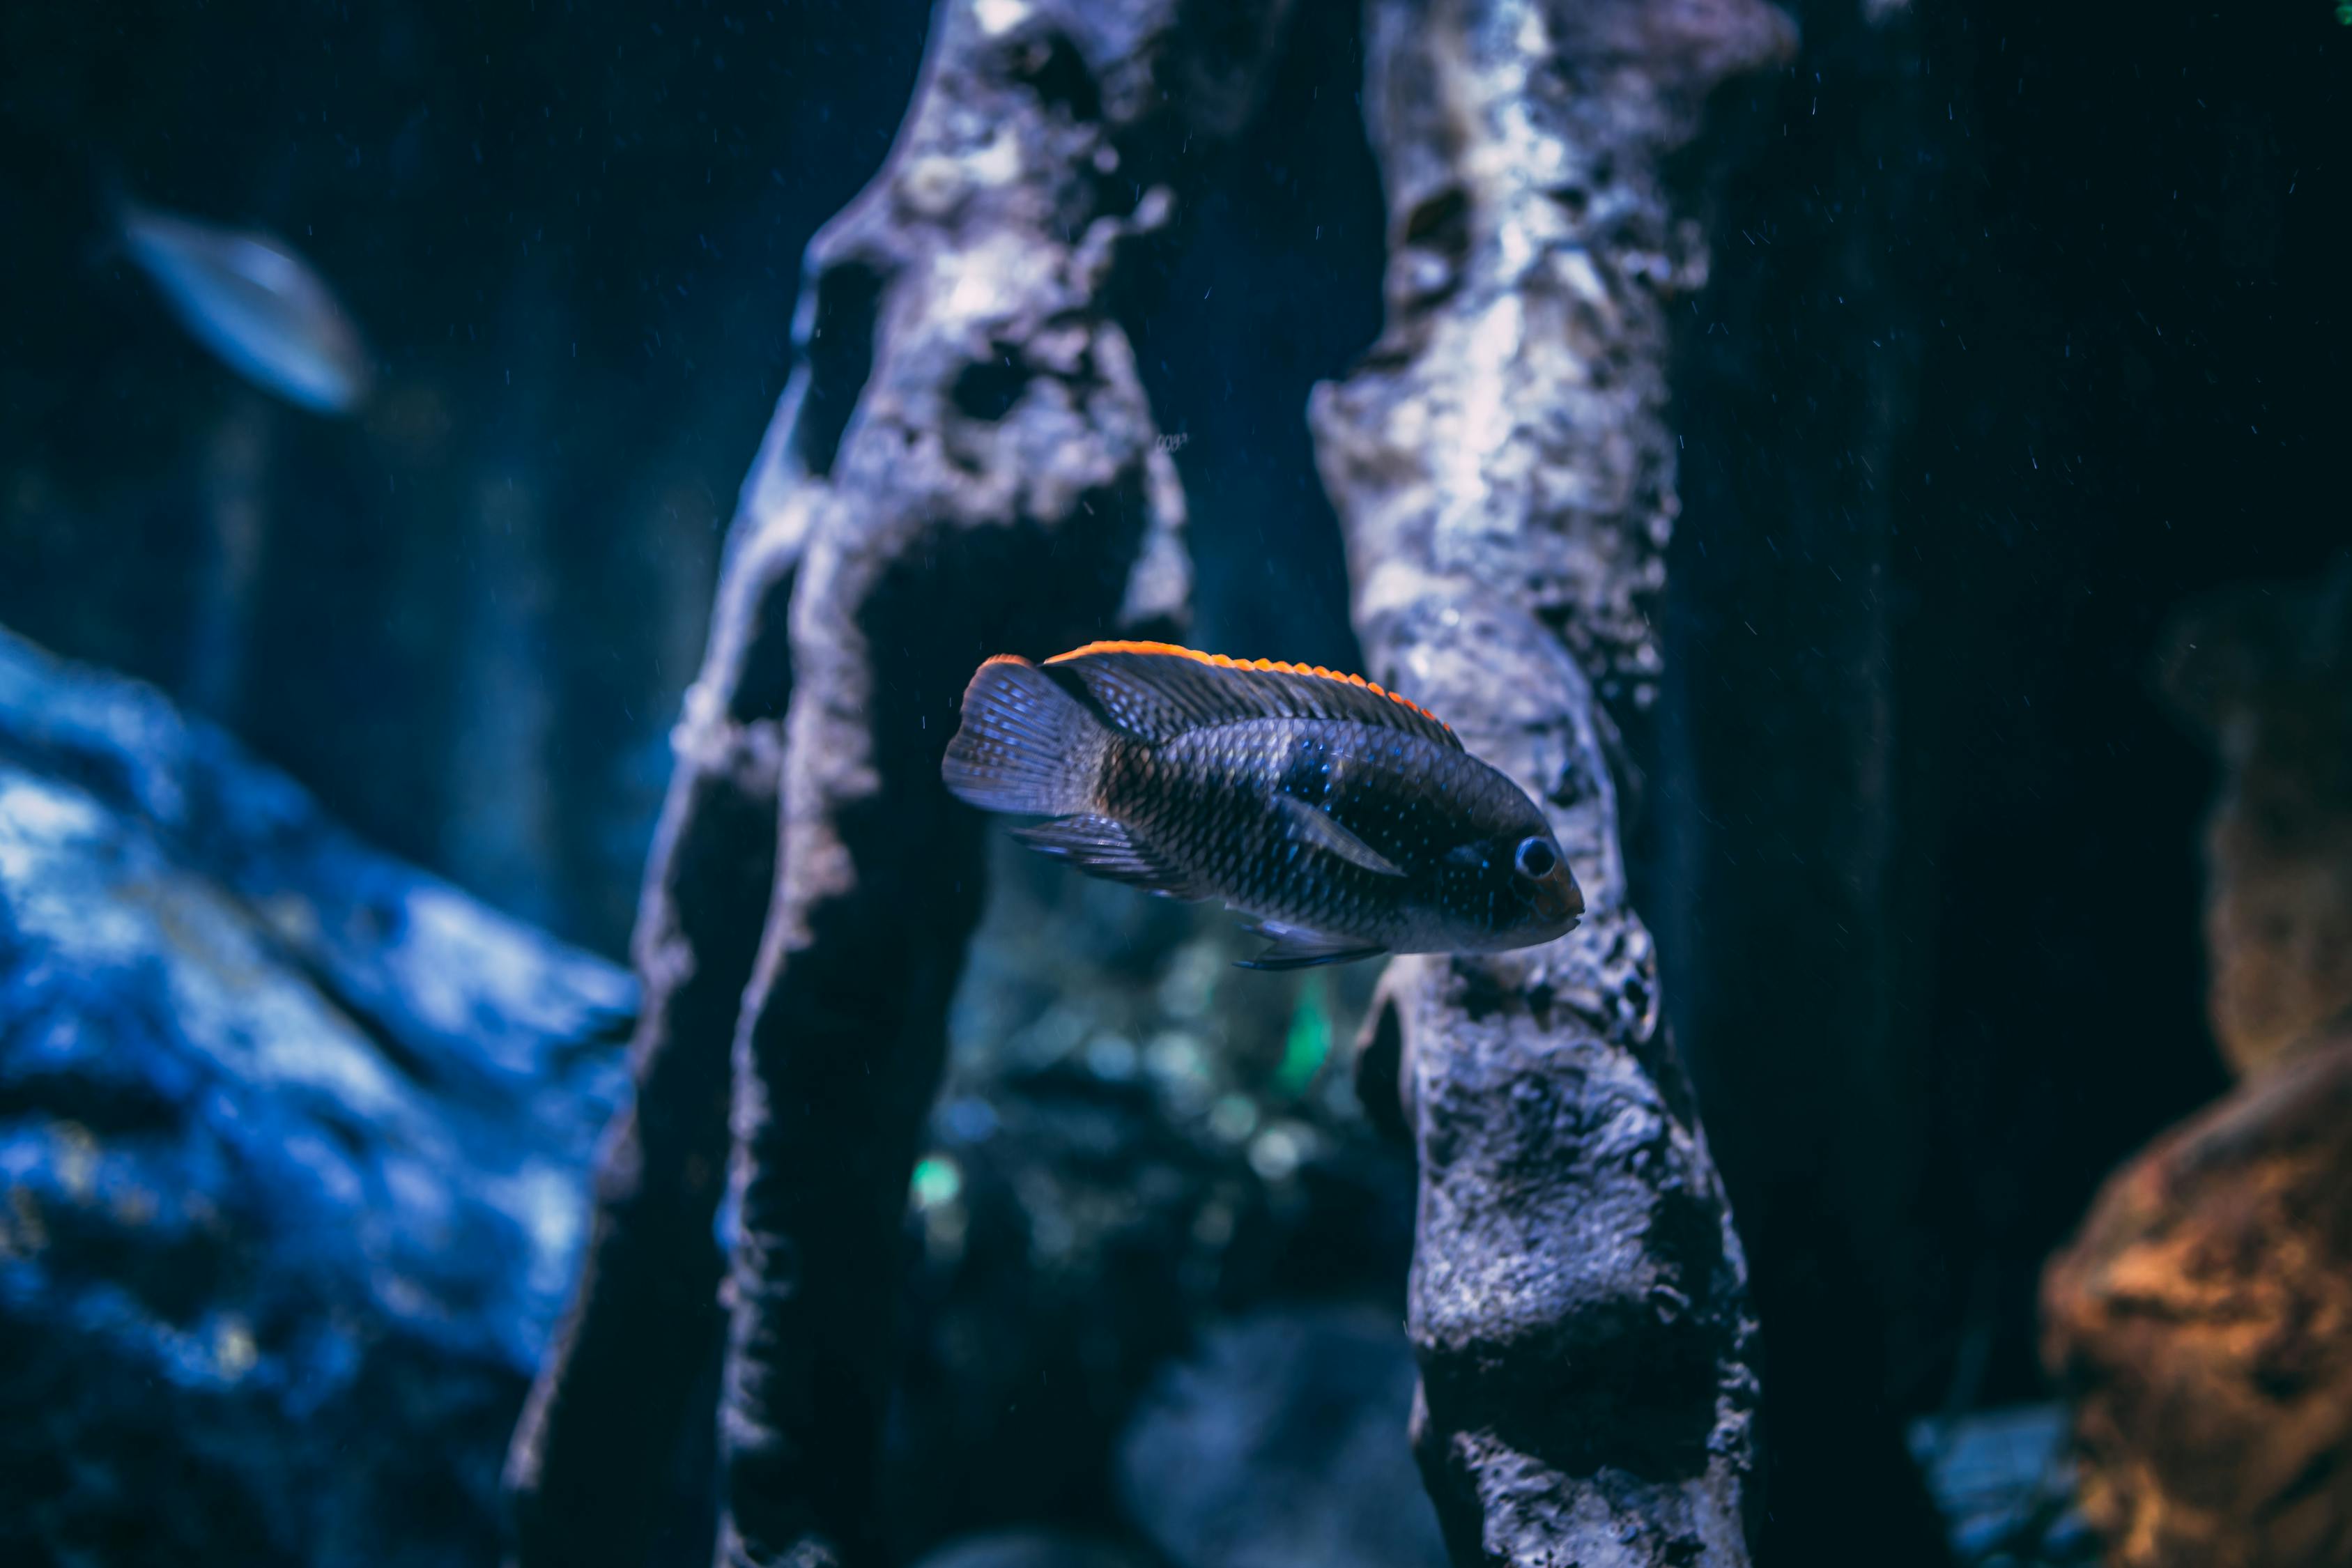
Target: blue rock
(294, 1147)
(2004, 1482)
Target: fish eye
(1536, 858)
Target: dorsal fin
(1159, 690)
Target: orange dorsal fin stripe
(1268, 666)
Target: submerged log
(964, 465)
(1505, 475)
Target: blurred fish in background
(247, 296)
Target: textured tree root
(964, 465)
(1503, 473)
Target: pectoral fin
(1299, 947)
(1312, 825)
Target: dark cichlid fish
(1347, 821)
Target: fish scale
(1344, 820)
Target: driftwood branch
(1000, 486)
(1504, 476)
(965, 464)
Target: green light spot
(1309, 1041)
(1233, 1118)
(936, 1181)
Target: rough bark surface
(1504, 476)
(963, 463)
(2201, 1323)
(998, 486)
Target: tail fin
(1026, 745)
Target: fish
(250, 299)
(1342, 820)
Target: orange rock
(2201, 1323)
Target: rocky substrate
(292, 1141)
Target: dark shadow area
(1270, 284)
(2026, 326)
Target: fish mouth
(1558, 901)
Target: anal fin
(1299, 947)
(1102, 846)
